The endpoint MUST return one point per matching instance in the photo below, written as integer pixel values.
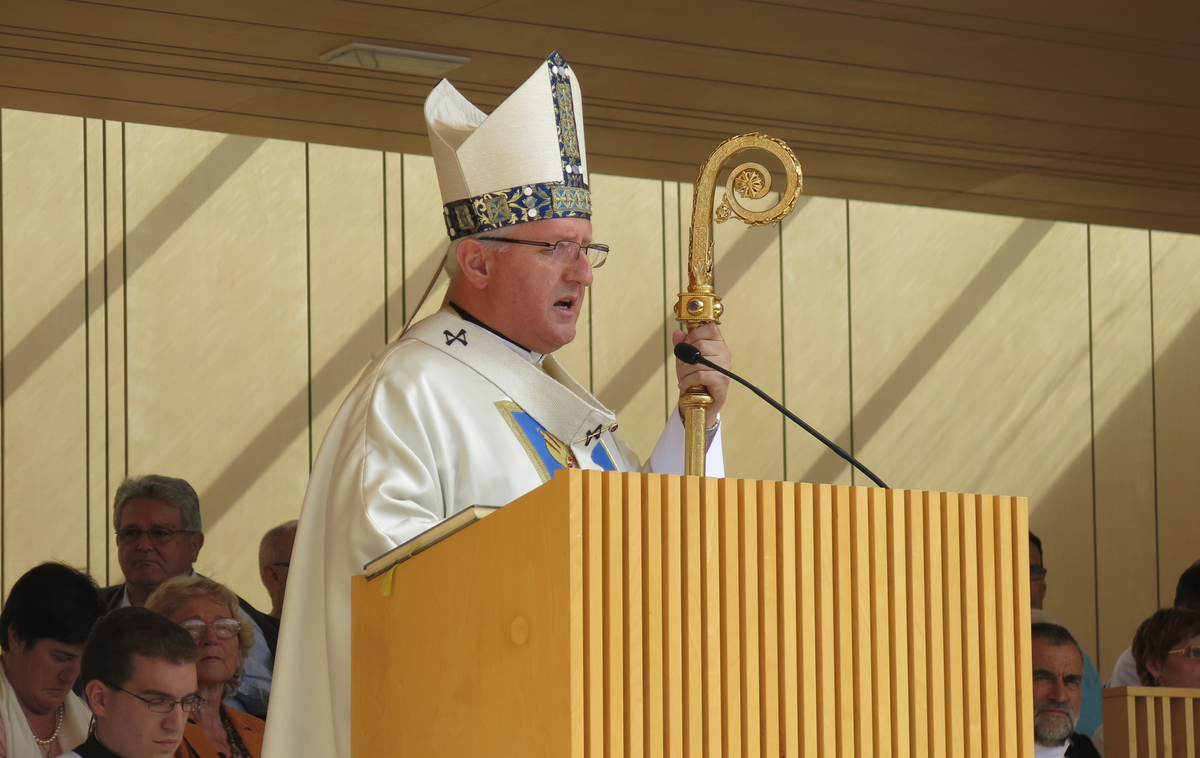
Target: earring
(1157, 682)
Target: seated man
(274, 561)
(1057, 690)
(159, 536)
(1091, 709)
(1187, 595)
(139, 674)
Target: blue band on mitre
(517, 205)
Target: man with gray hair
(159, 536)
(1057, 692)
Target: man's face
(1037, 587)
(126, 726)
(537, 301)
(145, 562)
(1057, 691)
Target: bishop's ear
(474, 260)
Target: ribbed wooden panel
(1151, 722)
(741, 618)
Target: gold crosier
(700, 305)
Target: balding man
(274, 562)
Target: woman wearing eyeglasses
(1166, 651)
(209, 611)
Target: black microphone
(691, 354)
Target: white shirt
(1125, 671)
(1041, 751)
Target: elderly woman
(209, 611)
(45, 621)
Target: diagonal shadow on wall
(1174, 360)
(867, 422)
(66, 318)
(292, 420)
(643, 362)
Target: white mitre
(524, 162)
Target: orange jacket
(196, 745)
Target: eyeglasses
(158, 535)
(1186, 652)
(1037, 572)
(164, 704)
(564, 252)
(223, 628)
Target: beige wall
(198, 304)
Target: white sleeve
(667, 457)
(1125, 671)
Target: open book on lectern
(431, 536)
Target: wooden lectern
(608, 614)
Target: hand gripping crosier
(700, 305)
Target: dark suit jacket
(1081, 747)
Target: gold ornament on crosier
(700, 305)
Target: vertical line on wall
(3, 415)
(666, 331)
(125, 293)
(591, 297)
(403, 249)
(1092, 441)
(308, 291)
(850, 339)
(107, 389)
(87, 360)
(783, 421)
(383, 177)
(1154, 420)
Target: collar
(516, 347)
(93, 748)
(1058, 751)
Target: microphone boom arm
(693, 356)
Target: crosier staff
(700, 305)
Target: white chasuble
(445, 418)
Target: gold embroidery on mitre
(566, 119)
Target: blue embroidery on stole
(601, 458)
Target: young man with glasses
(469, 406)
(139, 674)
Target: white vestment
(18, 735)
(448, 417)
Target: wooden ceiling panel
(1067, 110)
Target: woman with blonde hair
(209, 611)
